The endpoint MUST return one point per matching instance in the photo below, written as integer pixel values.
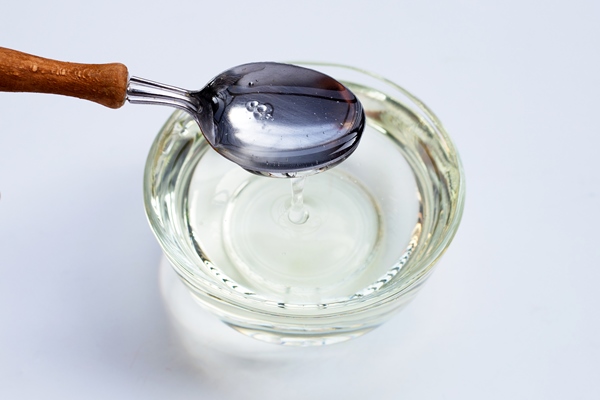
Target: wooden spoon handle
(102, 83)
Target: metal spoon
(272, 119)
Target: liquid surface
(279, 119)
(335, 242)
(361, 217)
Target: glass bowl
(378, 223)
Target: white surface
(511, 312)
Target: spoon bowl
(279, 119)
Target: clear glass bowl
(379, 223)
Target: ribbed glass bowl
(407, 168)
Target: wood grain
(105, 84)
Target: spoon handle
(101, 83)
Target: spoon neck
(143, 91)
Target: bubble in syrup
(260, 111)
(251, 105)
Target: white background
(511, 311)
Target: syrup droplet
(298, 214)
